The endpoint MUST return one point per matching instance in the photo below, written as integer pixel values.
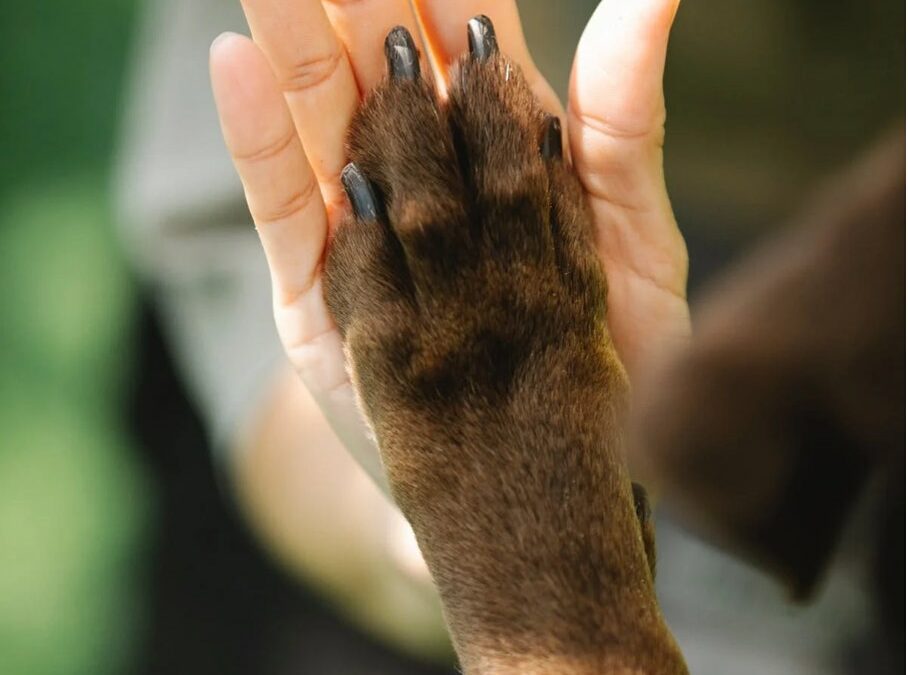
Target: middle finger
(445, 23)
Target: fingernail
(403, 62)
(223, 37)
(360, 193)
(481, 37)
(551, 138)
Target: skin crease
(471, 302)
(285, 102)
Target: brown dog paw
(468, 254)
(473, 307)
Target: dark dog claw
(481, 38)
(551, 138)
(360, 193)
(641, 502)
(400, 50)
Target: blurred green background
(73, 504)
(764, 98)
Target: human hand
(287, 99)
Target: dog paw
(468, 255)
(473, 310)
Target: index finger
(280, 187)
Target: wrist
(643, 653)
(553, 559)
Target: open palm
(286, 98)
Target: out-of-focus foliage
(72, 500)
(61, 71)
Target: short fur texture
(473, 312)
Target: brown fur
(792, 394)
(474, 319)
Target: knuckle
(343, 3)
(311, 72)
(294, 204)
(611, 130)
(269, 150)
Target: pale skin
(285, 99)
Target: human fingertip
(222, 39)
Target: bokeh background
(118, 550)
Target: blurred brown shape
(791, 396)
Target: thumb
(616, 104)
